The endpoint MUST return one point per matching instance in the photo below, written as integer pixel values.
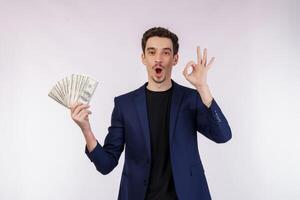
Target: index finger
(74, 106)
(199, 55)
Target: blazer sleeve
(211, 122)
(106, 157)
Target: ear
(175, 59)
(143, 58)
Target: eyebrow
(152, 48)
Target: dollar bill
(72, 89)
(88, 91)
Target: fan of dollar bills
(75, 88)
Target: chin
(161, 80)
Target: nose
(158, 58)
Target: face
(159, 59)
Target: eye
(167, 53)
(151, 52)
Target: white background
(255, 80)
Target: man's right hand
(80, 115)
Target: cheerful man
(159, 122)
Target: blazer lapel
(175, 104)
(141, 107)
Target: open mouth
(158, 70)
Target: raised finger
(204, 57)
(199, 56)
(211, 62)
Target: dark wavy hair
(160, 32)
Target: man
(158, 122)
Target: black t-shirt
(161, 184)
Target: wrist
(201, 87)
(89, 136)
(91, 142)
(87, 132)
(205, 94)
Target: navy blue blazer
(129, 129)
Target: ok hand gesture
(198, 77)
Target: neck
(159, 87)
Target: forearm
(212, 123)
(105, 158)
(91, 141)
(205, 94)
